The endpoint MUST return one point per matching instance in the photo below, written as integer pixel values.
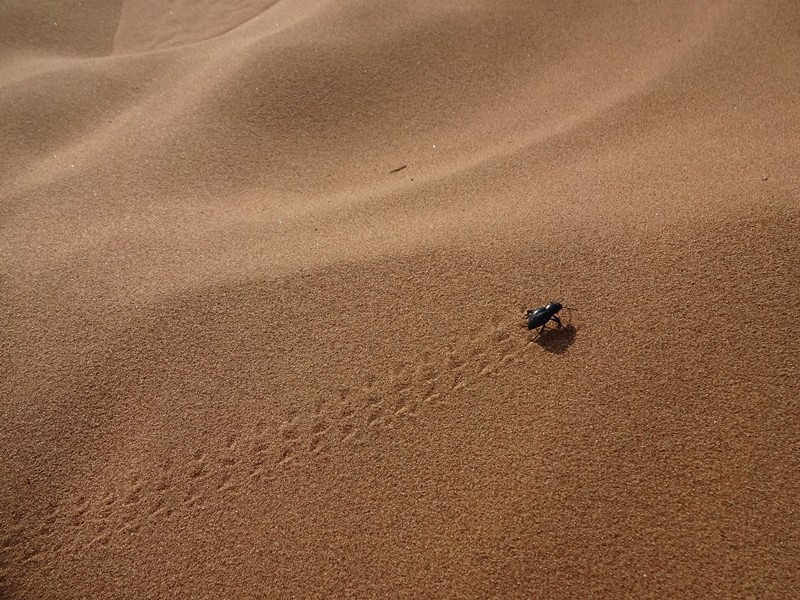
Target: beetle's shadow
(557, 340)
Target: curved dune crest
(265, 267)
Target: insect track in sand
(340, 421)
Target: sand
(242, 355)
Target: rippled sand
(264, 271)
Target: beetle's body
(540, 317)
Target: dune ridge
(242, 355)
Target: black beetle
(540, 317)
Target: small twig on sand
(398, 169)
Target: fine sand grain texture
(264, 270)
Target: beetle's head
(554, 306)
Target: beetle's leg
(558, 321)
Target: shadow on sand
(557, 341)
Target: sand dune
(243, 355)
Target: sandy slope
(242, 358)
